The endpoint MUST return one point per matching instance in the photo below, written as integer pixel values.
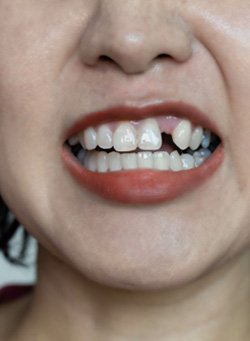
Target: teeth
(104, 137)
(182, 134)
(175, 161)
(149, 135)
(90, 161)
(102, 162)
(145, 160)
(161, 160)
(124, 138)
(196, 138)
(88, 139)
(200, 156)
(129, 161)
(114, 161)
(206, 139)
(187, 161)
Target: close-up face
(124, 133)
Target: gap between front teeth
(146, 135)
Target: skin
(176, 271)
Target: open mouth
(142, 155)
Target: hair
(9, 226)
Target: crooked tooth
(129, 161)
(175, 161)
(149, 135)
(114, 161)
(102, 162)
(196, 138)
(206, 139)
(124, 138)
(88, 139)
(104, 137)
(182, 134)
(145, 160)
(187, 161)
(161, 160)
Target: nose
(134, 34)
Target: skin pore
(175, 271)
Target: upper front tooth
(182, 134)
(124, 138)
(104, 137)
(196, 138)
(88, 139)
(149, 135)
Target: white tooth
(175, 161)
(73, 141)
(196, 138)
(182, 134)
(129, 161)
(187, 161)
(102, 162)
(104, 137)
(88, 139)
(124, 138)
(206, 139)
(90, 161)
(149, 135)
(161, 160)
(145, 160)
(114, 161)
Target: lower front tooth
(114, 161)
(129, 161)
(161, 160)
(175, 162)
(102, 162)
(145, 160)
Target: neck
(72, 307)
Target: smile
(142, 155)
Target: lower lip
(142, 186)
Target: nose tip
(135, 43)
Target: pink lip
(142, 186)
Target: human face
(61, 61)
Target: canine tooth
(149, 135)
(175, 161)
(187, 161)
(182, 134)
(114, 161)
(88, 139)
(145, 160)
(161, 160)
(206, 139)
(129, 161)
(124, 138)
(104, 137)
(102, 162)
(196, 138)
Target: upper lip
(138, 112)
